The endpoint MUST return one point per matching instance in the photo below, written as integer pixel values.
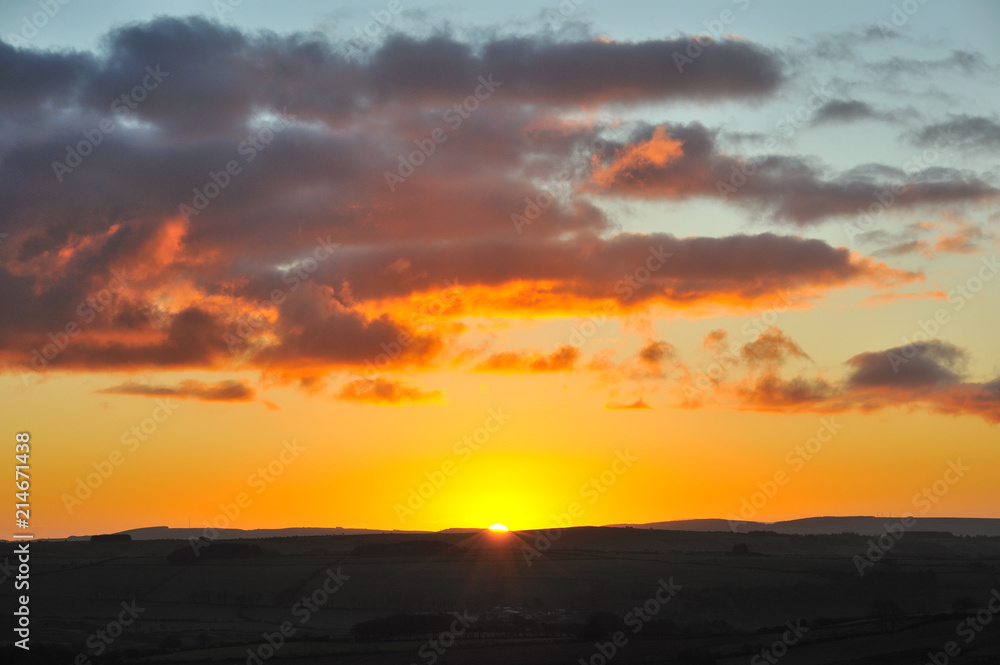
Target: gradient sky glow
(702, 325)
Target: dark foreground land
(387, 595)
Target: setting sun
(498, 527)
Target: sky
(402, 265)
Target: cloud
(657, 352)
(958, 60)
(770, 392)
(922, 374)
(966, 238)
(222, 391)
(639, 404)
(844, 110)
(920, 364)
(892, 296)
(305, 262)
(193, 338)
(965, 131)
(904, 248)
(218, 74)
(659, 151)
(771, 348)
(386, 392)
(562, 359)
(919, 376)
(243, 276)
(715, 339)
(786, 188)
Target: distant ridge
(170, 533)
(865, 526)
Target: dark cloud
(193, 339)
(219, 75)
(740, 267)
(919, 364)
(844, 110)
(657, 352)
(312, 331)
(682, 162)
(922, 375)
(222, 391)
(967, 132)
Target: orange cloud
(639, 404)
(562, 359)
(658, 151)
(892, 296)
(385, 392)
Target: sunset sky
(637, 257)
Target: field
(527, 597)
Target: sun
(498, 527)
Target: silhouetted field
(509, 598)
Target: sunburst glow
(498, 527)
